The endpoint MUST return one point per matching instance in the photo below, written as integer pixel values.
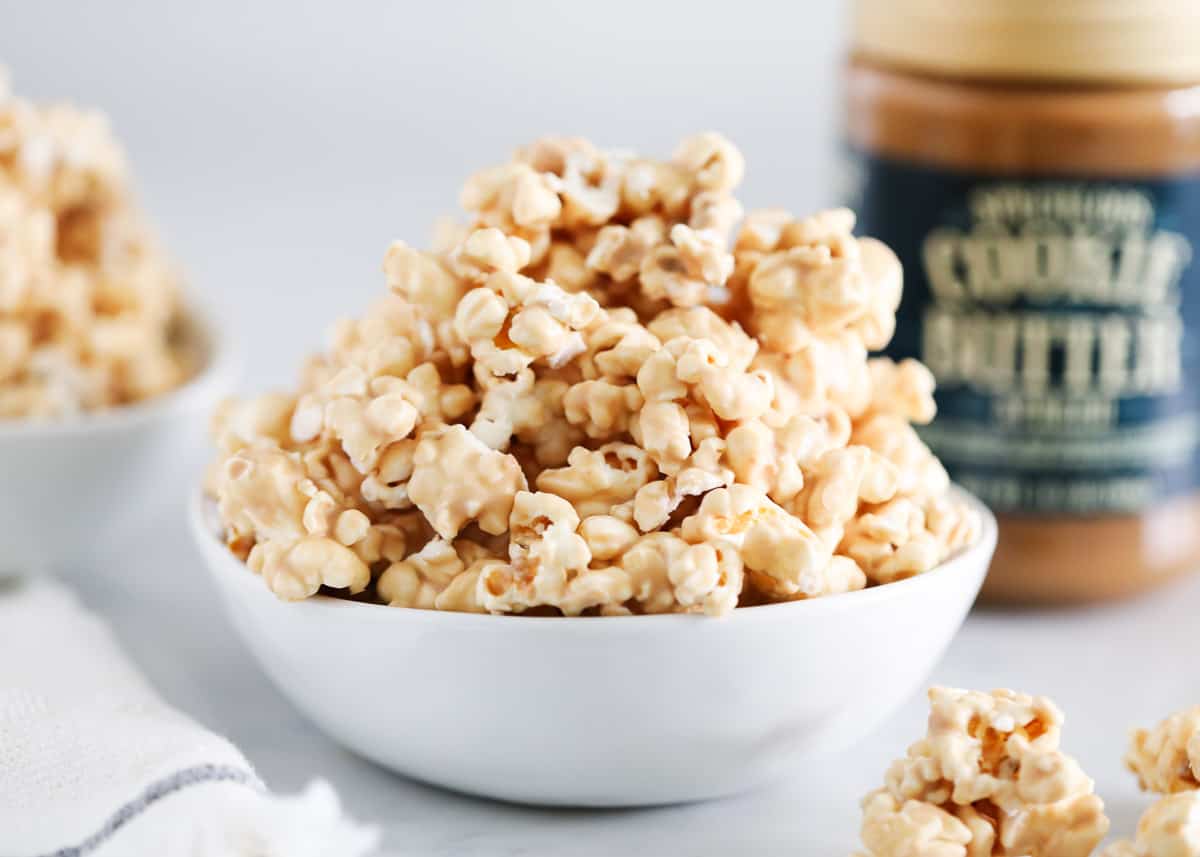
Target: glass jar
(1036, 166)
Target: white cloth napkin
(94, 764)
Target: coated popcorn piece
(508, 406)
(1166, 759)
(890, 542)
(903, 389)
(839, 480)
(372, 417)
(668, 574)
(440, 487)
(604, 590)
(990, 761)
(911, 829)
(738, 347)
(788, 559)
(545, 554)
(714, 213)
(920, 473)
(260, 495)
(484, 252)
(697, 368)
(395, 337)
(601, 408)
(820, 279)
(619, 251)
(594, 481)
(713, 161)
(701, 472)
(298, 570)
(1169, 828)
(774, 459)
(292, 528)
(825, 374)
(587, 180)
(513, 321)
(419, 578)
(689, 270)
(512, 196)
(616, 346)
(428, 283)
(952, 522)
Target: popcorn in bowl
(596, 398)
(90, 314)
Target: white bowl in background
(612, 711)
(69, 486)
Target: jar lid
(1082, 40)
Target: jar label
(1061, 318)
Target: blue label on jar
(1061, 318)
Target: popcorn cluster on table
(1166, 760)
(598, 398)
(988, 779)
(89, 306)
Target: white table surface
(1110, 668)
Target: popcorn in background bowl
(103, 364)
(90, 308)
(598, 398)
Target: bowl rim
(221, 365)
(223, 564)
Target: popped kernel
(822, 280)
(602, 409)
(488, 251)
(691, 268)
(439, 486)
(619, 251)
(715, 163)
(545, 554)
(419, 578)
(988, 778)
(513, 321)
(607, 536)
(840, 480)
(783, 551)
(594, 397)
(904, 389)
(596, 480)
(890, 542)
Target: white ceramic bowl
(613, 711)
(69, 486)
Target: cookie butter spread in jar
(1036, 166)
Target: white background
(281, 147)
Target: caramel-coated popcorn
(1169, 828)
(1166, 758)
(596, 397)
(1166, 761)
(987, 780)
(90, 314)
